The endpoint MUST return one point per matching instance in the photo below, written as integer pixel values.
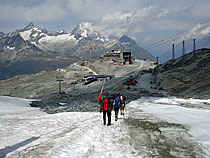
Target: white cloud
(45, 12)
(187, 9)
(120, 23)
(135, 30)
(206, 31)
(144, 13)
(167, 24)
(117, 18)
(192, 33)
(194, 30)
(163, 12)
(117, 31)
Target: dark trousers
(116, 111)
(108, 113)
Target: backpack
(106, 104)
(116, 105)
(124, 97)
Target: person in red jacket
(106, 108)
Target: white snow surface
(195, 119)
(10, 102)
(58, 38)
(11, 48)
(62, 135)
(76, 134)
(84, 33)
(26, 34)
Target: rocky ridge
(78, 42)
(187, 76)
(18, 57)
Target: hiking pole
(102, 86)
(99, 98)
(100, 95)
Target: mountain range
(31, 49)
(78, 42)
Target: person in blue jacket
(116, 107)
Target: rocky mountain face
(2, 34)
(16, 48)
(187, 75)
(127, 44)
(203, 42)
(18, 57)
(31, 49)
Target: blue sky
(146, 21)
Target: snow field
(196, 120)
(58, 38)
(26, 34)
(61, 135)
(80, 135)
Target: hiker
(137, 75)
(112, 98)
(117, 94)
(116, 106)
(121, 87)
(122, 105)
(106, 108)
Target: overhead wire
(205, 21)
(172, 37)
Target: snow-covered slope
(47, 40)
(151, 127)
(85, 30)
(28, 132)
(42, 36)
(11, 102)
(194, 114)
(58, 38)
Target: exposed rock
(187, 76)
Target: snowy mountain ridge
(62, 41)
(78, 42)
(85, 29)
(40, 37)
(31, 43)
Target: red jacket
(106, 104)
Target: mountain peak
(125, 38)
(83, 28)
(85, 25)
(86, 29)
(29, 26)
